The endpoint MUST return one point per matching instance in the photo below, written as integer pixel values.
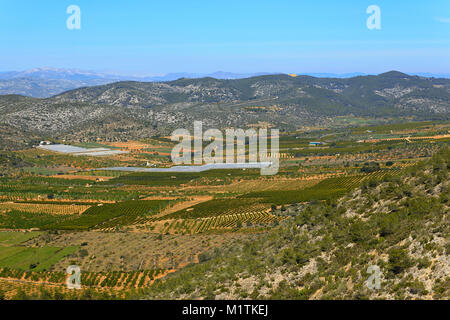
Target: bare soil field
(132, 251)
(182, 205)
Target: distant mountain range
(134, 110)
(80, 75)
(55, 74)
(46, 82)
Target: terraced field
(128, 230)
(326, 189)
(218, 176)
(111, 215)
(63, 209)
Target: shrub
(203, 257)
(83, 253)
(399, 261)
(370, 167)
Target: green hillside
(398, 223)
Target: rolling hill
(326, 249)
(130, 109)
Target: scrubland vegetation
(371, 195)
(397, 222)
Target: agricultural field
(44, 208)
(15, 255)
(128, 232)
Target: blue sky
(149, 37)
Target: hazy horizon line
(197, 73)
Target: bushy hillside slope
(282, 101)
(399, 223)
(365, 95)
